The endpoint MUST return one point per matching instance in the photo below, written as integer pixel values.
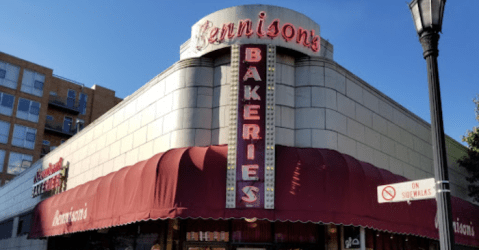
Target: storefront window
(289, 232)
(253, 231)
(207, 230)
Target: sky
(122, 44)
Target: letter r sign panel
(250, 173)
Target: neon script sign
(210, 34)
(49, 179)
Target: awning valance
(316, 185)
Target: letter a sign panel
(407, 191)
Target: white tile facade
(318, 104)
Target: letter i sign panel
(247, 153)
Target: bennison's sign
(211, 34)
(253, 24)
(50, 179)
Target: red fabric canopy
(317, 185)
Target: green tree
(471, 160)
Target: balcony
(58, 128)
(45, 150)
(65, 104)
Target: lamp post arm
(429, 41)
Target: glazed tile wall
(335, 109)
(318, 104)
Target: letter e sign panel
(250, 172)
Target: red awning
(317, 185)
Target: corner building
(255, 139)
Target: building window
(49, 118)
(2, 159)
(17, 163)
(80, 124)
(52, 148)
(9, 75)
(71, 98)
(28, 110)
(83, 101)
(24, 137)
(6, 103)
(4, 131)
(32, 82)
(6, 229)
(67, 124)
(46, 143)
(24, 223)
(62, 141)
(53, 93)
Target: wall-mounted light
(250, 220)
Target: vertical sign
(250, 171)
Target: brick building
(39, 111)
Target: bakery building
(255, 139)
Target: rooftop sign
(254, 24)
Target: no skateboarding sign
(407, 191)
(388, 193)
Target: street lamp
(427, 16)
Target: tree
(471, 160)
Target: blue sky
(123, 44)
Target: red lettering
(259, 30)
(315, 42)
(227, 29)
(252, 72)
(250, 172)
(250, 112)
(231, 30)
(252, 55)
(273, 29)
(201, 41)
(288, 31)
(250, 192)
(213, 35)
(250, 152)
(302, 35)
(251, 131)
(251, 94)
(245, 24)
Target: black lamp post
(427, 15)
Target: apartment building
(40, 110)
